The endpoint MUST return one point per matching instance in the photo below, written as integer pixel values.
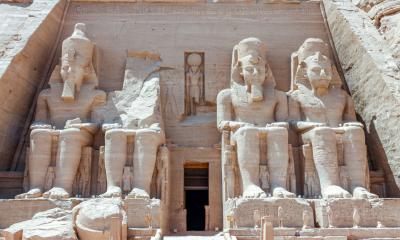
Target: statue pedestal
(243, 210)
(139, 211)
(384, 210)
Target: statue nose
(323, 73)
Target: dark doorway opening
(196, 196)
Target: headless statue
(64, 111)
(142, 123)
(253, 108)
(322, 110)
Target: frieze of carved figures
(64, 110)
(321, 112)
(254, 113)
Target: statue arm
(224, 109)
(281, 110)
(296, 121)
(42, 113)
(349, 114)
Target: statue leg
(355, 157)
(278, 160)
(147, 142)
(39, 161)
(114, 161)
(323, 141)
(69, 152)
(248, 153)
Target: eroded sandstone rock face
(371, 71)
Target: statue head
(249, 67)
(319, 70)
(194, 61)
(313, 67)
(76, 62)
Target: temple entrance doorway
(196, 196)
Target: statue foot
(56, 193)
(360, 192)
(33, 193)
(138, 193)
(111, 192)
(280, 192)
(254, 191)
(334, 191)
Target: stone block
(386, 211)
(244, 208)
(139, 210)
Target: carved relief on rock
(194, 82)
(322, 112)
(63, 118)
(252, 112)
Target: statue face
(252, 70)
(319, 71)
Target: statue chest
(257, 113)
(328, 108)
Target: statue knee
(115, 133)
(354, 134)
(41, 135)
(74, 136)
(278, 132)
(149, 136)
(323, 136)
(323, 132)
(247, 131)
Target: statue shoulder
(224, 96)
(44, 93)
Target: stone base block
(321, 233)
(143, 213)
(14, 211)
(386, 211)
(243, 210)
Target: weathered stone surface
(53, 224)
(371, 212)
(23, 210)
(244, 209)
(372, 76)
(23, 66)
(143, 213)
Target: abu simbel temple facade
(199, 119)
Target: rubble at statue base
(157, 119)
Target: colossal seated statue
(133, 115)
(323, 113)
(254, 111)
(64, 112)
